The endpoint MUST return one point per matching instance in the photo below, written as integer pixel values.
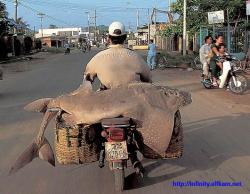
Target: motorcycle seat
(121, 121)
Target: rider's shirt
(152, 49)
(217, 47)
(215, 57)
(204, 52)
(118, 66)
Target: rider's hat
(116, 29)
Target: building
(141, 34)
(59, 36)
(68, 32)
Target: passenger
(117, 65)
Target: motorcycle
(121, 141)
(231, 76)
(67, 51)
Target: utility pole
(41, 15)
(228, 33)
(95, 27)
(34, 30)
(88, 24)
(155, 16)
(92, 22)
(15, 14)
(184, 28)
(169, 7)
(137, 21)
(155, 25)
(149, 23)
(129, 28)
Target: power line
(104, 11)
(37, 11)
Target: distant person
(67, 49)
(151, 54)
(205, 55)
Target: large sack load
(154, 109)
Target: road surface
(216, 132)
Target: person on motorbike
(215, 67)
(67, 48)
(205, 55)
(223, 54)
(117, 65)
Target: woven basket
(175, 147)
(71, 146)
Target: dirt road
(216, 132)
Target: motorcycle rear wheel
(206, 83)
(119, 179)
(241, 84)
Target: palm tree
(22, 25)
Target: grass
(177, 59)
(54, 50)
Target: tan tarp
(153, 107)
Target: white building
(67, 32)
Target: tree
(3, 12)
(197, 13)
(3, 19)
(23, 26)
(52, 26)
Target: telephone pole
(137, 21)
(129, 28)
(149, 23)
(95, 26)
(184, 28)
(88, 23)
(41, 15)
(92, 23)
(15, 14)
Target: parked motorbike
(67, 51)
(231, 77)
(121, 141)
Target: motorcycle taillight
(116, 134)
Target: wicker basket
(175, 147)
(71, 146)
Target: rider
(117, 65)
(215, 67)
(221, 49)
(205, 55)
(66, 46)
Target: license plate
(116, 150)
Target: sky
(73, 13)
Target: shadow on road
(208, 143)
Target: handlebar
(227, 58)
